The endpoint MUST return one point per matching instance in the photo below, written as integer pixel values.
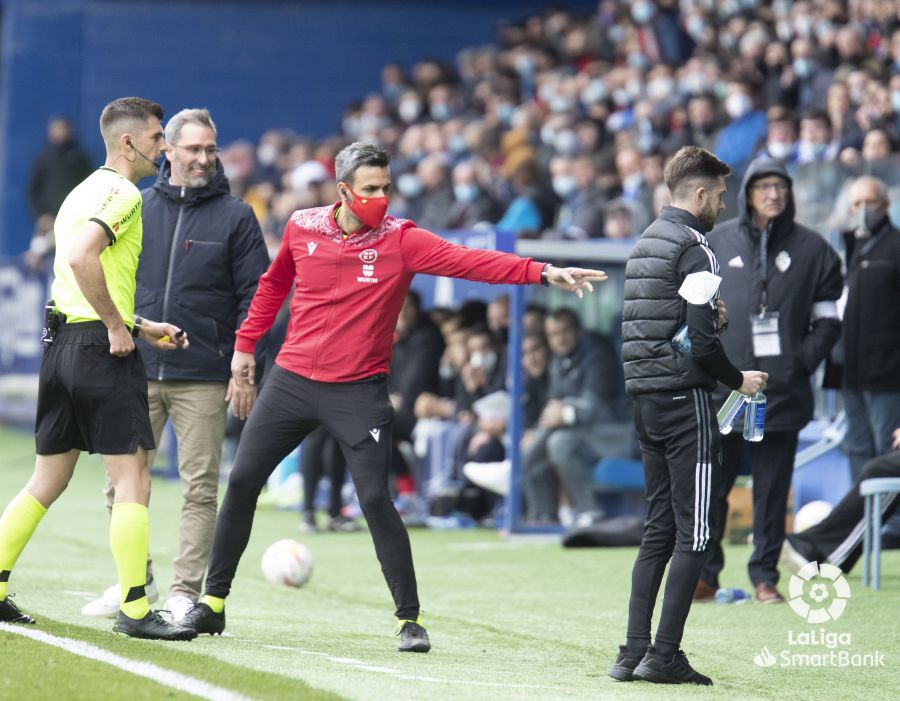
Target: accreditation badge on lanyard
(766, 341)
(764, 324)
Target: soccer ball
(287, 562)
(810, 514)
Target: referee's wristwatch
(136, 327)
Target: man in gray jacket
(781, 282)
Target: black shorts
(89, 399)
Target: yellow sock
(214, 602)
(129, 540)
(17, 525)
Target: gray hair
(357, 154)
(190, 116)
(880, 186)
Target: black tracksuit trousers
(680, 447)
(358, 414)
(772, 461)
(838, 539)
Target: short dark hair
(127, 112)
(820, 116)
(566, 315)
(690, 165)
(358, 154)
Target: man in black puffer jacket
(785, 322)
(202, 270)
(671, 283)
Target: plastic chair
(872, 490)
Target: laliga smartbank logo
(818, 594)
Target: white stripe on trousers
(702, 471)
(842, 551)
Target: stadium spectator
(781, 282)
(321, 457)
(345, 388)
(93, 393)
(57, 169)
(838, 538)
(583, 386)
(201, 274)
(781, 136)
(871, 333)
(580, 213)
(473, 203)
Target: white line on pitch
(365, 666)
(166, 677)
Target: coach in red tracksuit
(351, 267)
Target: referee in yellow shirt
(93, 393)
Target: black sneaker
(625, 663)
(413, 638)
(342, 524)
(200, 618)
(677, 670)
(9, 612)
(151, 627)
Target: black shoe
(342, 524)
(625, 663)
(200, 618)
(677, 670)
(413, 638)
(9, 612)
(151, 627)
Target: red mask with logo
(369, 210)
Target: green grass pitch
(517, 620)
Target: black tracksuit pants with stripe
(290, 407)
(838, 539)
(680, 447)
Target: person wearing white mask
(472, 202)
(781, 135)
(746, 128)
(580, 213)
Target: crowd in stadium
(562, 130)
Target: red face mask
(369, 210)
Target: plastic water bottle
(732, 596)
(755, 418)
(681, 341)
(730, 412)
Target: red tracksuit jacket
(349, 291)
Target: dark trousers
(322, 457)
(772, 464)
(838, 538)
(289, 408)
(679, 447)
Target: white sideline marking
(365, 666)
(166, 677)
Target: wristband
(136, 327)
(545, 279)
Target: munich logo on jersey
(370, 255)
(311, 247)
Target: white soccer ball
(287, 562)
(810, 514)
